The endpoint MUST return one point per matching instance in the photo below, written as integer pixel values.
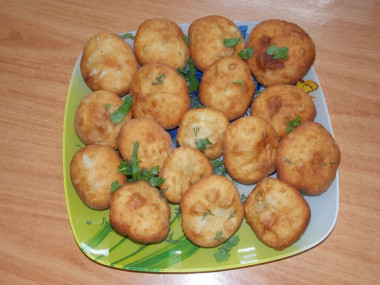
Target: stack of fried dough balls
(249, 134)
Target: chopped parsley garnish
(246, 53)
(287, 160)
(223, 251)
(241, 83)
(115, 185)
(277, 53)
(231, 42)
(233, 213)
(188, 73)
(196, 130)
(107, 106)
(131, 169)
(127, 36)
(293, 124)
(219, 168)
(205, 214)
(119, 114)
(159, 79)
(243, 198)
(187, 41)
(202, 144)
(219, 235)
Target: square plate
(96, 238)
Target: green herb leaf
(231, 42)
(246, 53)
(243, 198)
(187, 41)
(277, 53)
(115, 185)
(293, 124)
(219, 235)
(188, 73)
(205, 214)
(241, 83)
(159, 79)
(287, 160)
(202, 144)
(225, 248)
(156, 181)
(131, 169)
(119, 114)
(107, 106)
(136, 172)
(233, 213)
(196, 130)
(127, 36)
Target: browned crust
(308, 158)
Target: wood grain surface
(39, 44)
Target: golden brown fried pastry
(108, 63)
(158, 92)
(249, 148)
(270, 70)
(93, 169)
(93, 123)
(211, 211)
(161, 40)
(308, 158)
(181, 169)
(281, 104)
(207, 37)
(277, 213)
(155, 144)
(227, 85)
(138, 211)
(203, 127)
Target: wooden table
(39, 44)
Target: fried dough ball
(207, 37)
(155, 144)
(277, 213)
(227, 85)
(161, 40)
(270, 71)
(308, 158)
(181, 169)
(249, 148)
(281, 104)
(138, 211)
(158, 92)
(93, 123)
(199, 125)
(108, 63)
(93, 168)
(211, 211)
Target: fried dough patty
(161, 40)
(283, 103)
(138, 211)
(93, 123)
(158, 92)
(181, 169)
(270, 71)
(207, 37)
(211, 211)
(108, 63)
(308, 158)
(155, 144)
(249, 148)
(93, 168)
(197, 125)
(277, 213)
(227, 85)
